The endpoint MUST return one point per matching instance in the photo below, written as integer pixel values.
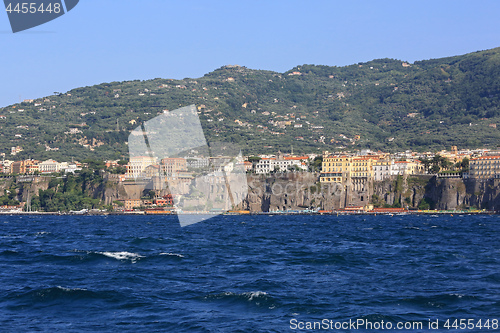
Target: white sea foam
(248, 295)
(122, 255)
(70, 289)
(252, 294)
(171, 254)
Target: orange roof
(486, 158)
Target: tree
(254, 159)
(426, 163)
(436, 164)
(463, 165)
(435, 168)
(315, 165)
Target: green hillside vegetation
(390, 104)
(82, 190)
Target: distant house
(111, 164)
(73, 130)
(247, 165)
(15, 150)
(132, 203)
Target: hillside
(392, 105)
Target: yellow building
(132, 203)
(339, 168)
(484, 167)
(414, 168)
(335, 168)
(453, 156)
(18, 167)
(362, 167)
(172, 165)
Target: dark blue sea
(249, 273)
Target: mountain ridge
(385, 104)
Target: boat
(79, 212)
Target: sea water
(256, 273)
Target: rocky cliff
(301, 190)
(298, 191)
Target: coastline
(337, 213)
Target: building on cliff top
(484, 167)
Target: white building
(5, 166)
(68, 167)
(15, 150)
(137, 166)
(49, 166)
(280, 163)
(383, 169)
(197, 162)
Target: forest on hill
(384, 104)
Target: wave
(494, 277)
(441, 301)
(171, 254)
(411, 227)
(147, 240)
(58, 294)
(326, 259)
(8, 253)
(123, 255)
(41, 233)
(86, 256)
(256, 298)
(83, 257)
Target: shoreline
(337, 213)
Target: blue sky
(114, 40)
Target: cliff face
(281, 192)
(301, 190)
(31, 188)
(407, 191)
(294, 191)
(298, 191)
(440, 193)
(115, 190)
(460, 193)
